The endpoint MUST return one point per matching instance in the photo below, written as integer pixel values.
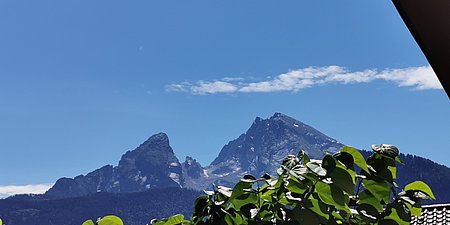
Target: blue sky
(81, 82)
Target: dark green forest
(133, 208)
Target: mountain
(151, 165)
(154, 165)
(261, 150)
(257, 151)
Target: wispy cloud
(418, 78)
(8, 190)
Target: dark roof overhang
(429, 23)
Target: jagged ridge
(257, 151)
(151, 165)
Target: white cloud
(228, 79)
(202, 87)
(181, 87)
(8, 190)
(419, 78)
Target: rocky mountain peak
(278, 115)
(155, 151)
(159, 140)
(192, 168)
(151, 165)
(264, 145)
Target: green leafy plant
(107, 220)
(342, 188)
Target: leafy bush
(342, 188)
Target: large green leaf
(296, 187)
(317, 207)
(241, 196)
(87, 222)
(365, 197)
(416, 210)
(110, 220)
(381, 166)
(420, 186)
(331, 195)
(380, 190)
(393, 170)
(344, 179)
(357, 157)
(174, 220)
(316, 168)
(239, 189)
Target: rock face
(151, 165)
(154, 165)
(262, 148)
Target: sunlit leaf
(225, 190)
(318, 207)
(296, 187)
(331, 195)
(365, 197)
(316, 168)
(87, 222)
(110, 220)
(357, 157)
(379, 189)
(387, 150)
(302, 156)
(420, 186)
(415, 208)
